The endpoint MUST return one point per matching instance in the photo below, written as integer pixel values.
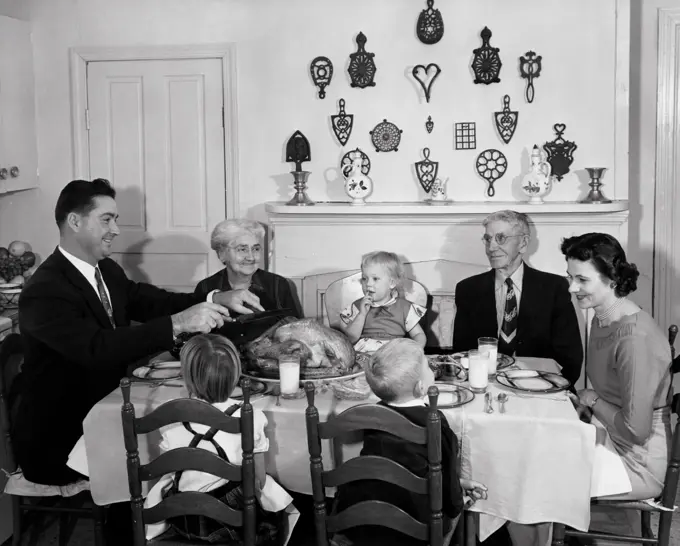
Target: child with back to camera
(383, 313)
(398, 374)
(211, 369)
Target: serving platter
(315, 381)
(445, 367)
(532, 381)
(452, 396)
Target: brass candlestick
(595, 195)
(300, 199)
(297, 151)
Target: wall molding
(81, 56)
(667, 169)
(622, 99)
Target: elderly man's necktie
(102, 295)
(507, 341)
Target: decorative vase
(537, 182)
(358, 186)
(595, 195)
(438, 191)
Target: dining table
(536, 458)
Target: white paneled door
(155, 130)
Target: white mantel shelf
(279, 212)
(332, 236)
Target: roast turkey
(323, 352)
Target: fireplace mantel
(332, 236)
(344, 212)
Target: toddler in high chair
(211, 369)
(383, 313)
(398, 373)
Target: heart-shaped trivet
(423, 81)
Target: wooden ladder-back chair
(190, 458)
(666, 503)
(72, 499)
(376, 417)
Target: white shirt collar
(408, 404)
(517, 277)
(87, 270)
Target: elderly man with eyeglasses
(529, 311)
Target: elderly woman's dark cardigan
(273, 290)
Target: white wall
(276, 42)
(19, 9)
(643, 79)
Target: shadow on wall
(644, 295)
(149, 257)
(164, 258)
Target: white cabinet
(18, 143)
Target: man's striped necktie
(507, 340)
(102, 295)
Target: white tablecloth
(536, 459)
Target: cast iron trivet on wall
(530, 68)
(322, 73)
(298, 150)
(487, 63)
(430, 25)
(426, 171)
(560, 152)
(361, 65)
(466, 135)
(346, 162)
(491, 165)
(506, 120)
(342, 124)
(386, 136)
(421, 73)
(429, 124)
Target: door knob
(14, 172)
(3, 174)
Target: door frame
(667, 167)
(226, 53)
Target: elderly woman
(629, 360)
(238, 244)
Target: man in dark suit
(529, 311)
(75, 316)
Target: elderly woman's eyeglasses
(245, 249)
(500, 238)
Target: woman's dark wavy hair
(608, 258)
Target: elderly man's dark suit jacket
(547, 324)
(74, 357)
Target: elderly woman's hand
(240, 301)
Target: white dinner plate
(533, 381)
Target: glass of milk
(289, 374)
(478, 376)
(489, 345)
